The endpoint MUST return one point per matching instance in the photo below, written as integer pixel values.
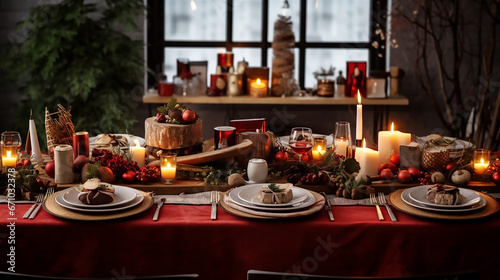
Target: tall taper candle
(359, 121)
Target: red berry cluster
(117, 164)
(425, 178)
(148, 173)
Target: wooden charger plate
(51, 206)
(318, 205)
(492, 206)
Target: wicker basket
(435, 159)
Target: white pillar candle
(138, 154)
(63, 160)
(341, 147)
(389, 142)
(359, 119)
(368, 160)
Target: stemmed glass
(11, 138)
(301, 140)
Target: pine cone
(175, 115)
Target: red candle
(80, 144)
(165, 89)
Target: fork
(47, 194)
(373, 200)
(382, 201)
(39, 200)
(214, 199)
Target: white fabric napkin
(202, 198)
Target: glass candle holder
(81, 144)
(481, 161)
(319, 148)
(168, 164)
(9, 156)
(342, 139)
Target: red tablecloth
(185, 240)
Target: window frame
(157, 43)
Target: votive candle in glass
(481, 161)
(319, 148)
(168, 165)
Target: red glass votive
(224, 136)
(217, 85)
(165, 89)
(80, 144)
(182, 66)
(225, 61)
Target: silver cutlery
(39, 200)
(382, 201)
(47, 194)
(214, 199)
(328, 207)
(373, 200)
(160, 204)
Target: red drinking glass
(80, 144)
(224, 136)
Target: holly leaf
(172, 103)
(350, 166)
(163, 110)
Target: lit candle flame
(482, 161)
(319, 148)
(8, 155)
(258, 81)
(168, 165)
(136, 142)
(392, 126)
(193, 5)
(359, 98)
(364, 143)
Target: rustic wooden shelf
(153, 98)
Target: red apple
(390, 166)
(386, 174)
(414, 172)
(495, 177)
(395, 159)
(129, 176)
(79, 162)
(50, 169)
(450, 166)
(188, 116)
(404, 176)
(280, 156)
(107, 175)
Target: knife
(328, 208)
(160, 204)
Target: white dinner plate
(249, 194)
(141, 140)
(418, 195)
(234, 195)
(405, 195)
(329, 139)
(136, 201)
(122, 195)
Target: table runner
(185, 240)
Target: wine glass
(301, 140)
(12, 138)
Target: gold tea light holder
(168, 166)
(481, 161)
(319, 148)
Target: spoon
(160, 204)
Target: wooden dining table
(186, 240)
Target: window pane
(338, 21)
(193, 54)
(251, 55)
(275, 10)
(205, 21)
(296, 70)
(247, 20)
(324, 58)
